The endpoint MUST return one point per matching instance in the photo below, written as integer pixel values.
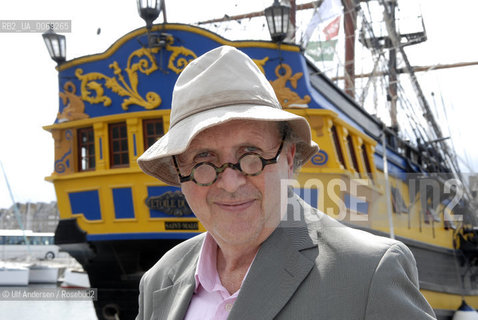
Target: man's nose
(231, 179)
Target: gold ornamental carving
(125, 82)
(178, 63)
(75, 107)
(64, 141)
(260, 63)
(287, 97)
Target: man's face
(238, 210)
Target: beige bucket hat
(223, 84)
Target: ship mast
(392, 68)
(389, 16)
(427, 113)
(350, 24)
(395, 44)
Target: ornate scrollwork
(320, 158)
(118, 83)
(88, 82)
(125, 83)
(179, 58)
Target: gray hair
(290, 137)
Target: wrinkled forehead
(237, 132)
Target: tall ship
(117, 221)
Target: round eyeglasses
(206, 173)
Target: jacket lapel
(278, 270)
(172, 302)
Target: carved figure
(287, 97)
(75, 107)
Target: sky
(29, 82)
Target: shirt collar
(206, 272)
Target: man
(266, 254)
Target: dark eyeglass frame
(235, 166)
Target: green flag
(321, 50)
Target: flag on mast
(332, 29)
(327, 13)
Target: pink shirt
(210, 299)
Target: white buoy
(465, 312)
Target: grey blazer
(315, 268)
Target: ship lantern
(277, 17)
(56, 45)
(149, 10)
